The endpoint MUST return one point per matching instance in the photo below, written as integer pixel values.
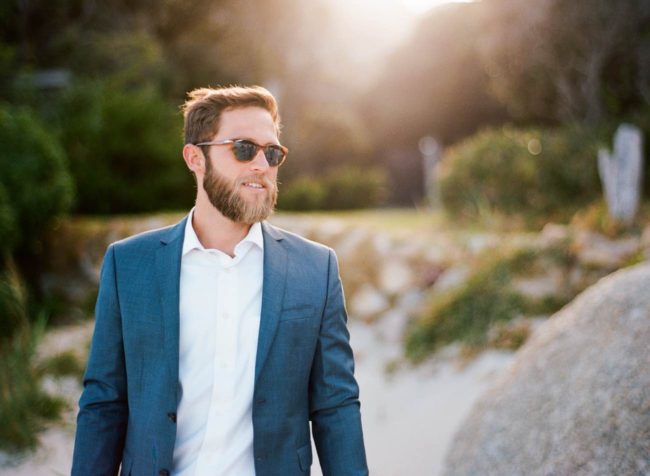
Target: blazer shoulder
(297, 242)
(151, 238)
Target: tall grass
(24, 406)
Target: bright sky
(421, 6)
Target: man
(218, 339)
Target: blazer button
(261, 401)
(163, 472)
(172, 417)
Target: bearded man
(217, 340)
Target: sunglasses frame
(233, 143)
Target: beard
(225, 196)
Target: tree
(564, 60)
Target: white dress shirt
(220, 306)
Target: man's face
(244, 192)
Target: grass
(64, 364)
(24, 406)
(467, 313)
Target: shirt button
(226, 316)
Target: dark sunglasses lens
(274, 155)
(244, 150)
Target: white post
(621, 173)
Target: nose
(259, 162)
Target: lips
(255, 185)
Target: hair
(204, 106)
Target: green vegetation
(35, 190)
(63, 365)
(35, 185)
(533, 172)
(24, 406)
(466, 314)
(343, 188)
(124, 149)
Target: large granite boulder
(577, 399)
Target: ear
(194, 159)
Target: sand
(409, 414)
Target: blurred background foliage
(519, 95)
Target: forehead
(247, 123)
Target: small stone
(367, 303)
(395, 276)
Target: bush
(466, 314)
(36, 184)
(8, 229)
(343, 188)
(535, 172)
(355, 187)
(304, 193)
(125, 150)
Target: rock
(395, 276)
(577, 399)
(553, 234)
(478, 242)
(451, 278)
(596, 250)
(550, 283)
(367, 303)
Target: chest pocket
(306, 311)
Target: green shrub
(465, 314)
(125, 150)
(8, 229)
(534, 171)
(304, 193)
(34, 175)
(351, 187)
(61, 365)
(343, 188)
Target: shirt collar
(191, 241)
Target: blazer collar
(275, 277)
(168, 273)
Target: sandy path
(409, 415)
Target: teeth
(254, 185)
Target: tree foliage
(568, 61)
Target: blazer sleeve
(103, 408)
(334, 393)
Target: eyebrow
(250, 139)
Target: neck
(215, 230)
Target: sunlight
(422, 6)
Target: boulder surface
(576, 400)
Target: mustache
(263, 179)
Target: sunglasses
(246, 150)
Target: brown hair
(204, 106)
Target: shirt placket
(224, 362)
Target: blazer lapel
(168, 271)
(275, 276)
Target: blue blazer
(304, 367)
